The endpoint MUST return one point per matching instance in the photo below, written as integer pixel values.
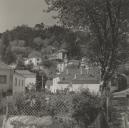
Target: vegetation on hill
(107, 23)
(24, 40)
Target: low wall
(120, 111)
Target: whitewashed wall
(73, 87)
(19, 86)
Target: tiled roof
(88, 81)
(26, 73)
(75, 62)
(80, 79)
(71, 73)
(64, 82)
(74, 74)
(62, 50)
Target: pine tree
(5, 50)
(41, 79)
(38, 81)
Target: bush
(81, 108)
(32, 103)
(86, 107)
(57, 105)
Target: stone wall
(119, 107)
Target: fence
(33, 110)
(50, 110)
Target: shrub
(57, 105)
(86, 107)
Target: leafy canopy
(107, 23)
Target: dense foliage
(25, 41)
(86, 107)
(107, 23)
(69, 109)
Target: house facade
(6, 78)
(22, 80)
(75, 78)
(15, 81)
(18, 83)
(62, 65)
(59, 55)
(28, 78)
(75, 85)
(35, 61)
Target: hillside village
(54, 71)
(70, 74)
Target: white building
(35, 61)
(59, 55)
(62, 65)
(23, 79)
(18, 83)
(76, 79)
(75, 85)
(6, 78)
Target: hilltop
(24, 40)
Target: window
(22, 82)
(15, 81)
(19, 82)
(3, 79)
(30, 61)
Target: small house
(6, 78)
(22, 80)
(76, 79)
(18, 83)
(33, 59)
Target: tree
(38, 82)
(107, 23)
(41, 79)
(86, 107)
(39, 27)
(23, 32)
(45, 78)
(20, 63)
(37, 43)
(5, 50)
(72, 45)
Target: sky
(18, 12)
